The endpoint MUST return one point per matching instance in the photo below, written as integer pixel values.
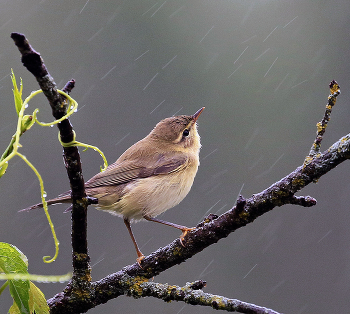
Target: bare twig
(197, 297)
(322, 125)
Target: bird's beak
(197, 114)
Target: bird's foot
(140, 259)
(184, 233)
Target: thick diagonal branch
(278, 194)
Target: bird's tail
(62, 198)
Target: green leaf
(12, 260)
(37, 300)
(17, 94)
(14, 309)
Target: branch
(213, 229)
(322, 125)
(192, 295)
(80, 295)
(35, 64)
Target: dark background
(261, 69)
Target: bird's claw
(140, 259)
(184, 233)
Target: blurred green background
(261, 69)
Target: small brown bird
(151, 176)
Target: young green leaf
(37, 301)
(17, 94)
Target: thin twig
(322, 125)
(192, 296)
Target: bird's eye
(185, 133)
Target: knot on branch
(69, 86)
(215, 305)
(92, 200)
(207, 219)
(198, 284)
(305, 201)
(239, 207)
(241, 201)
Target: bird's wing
(126, 171)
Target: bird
(150, 177)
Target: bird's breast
(153, 195)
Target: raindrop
(257, 58)
(299, 83)
(84, 6)
(158, 8)
(279, 85)
(26, 106)
(270, 67)
(250, 271)
(240, 55)
(93, 36)
(203, 272)
(290, 22)
(177, 111)
(169, 62)
(248, 39)
(270, 34)
(156, 107)
(207, 212)
(279, 284)
(141, 55)
(122, 138)
(100, 259)
(206, 34)
(108, 72)
(150, 8)
(252, 138)
(324, 236)
(234, 71)
(210, 153)
(178, 10)
(150, 81)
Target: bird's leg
(182, 228)
(140, 256)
